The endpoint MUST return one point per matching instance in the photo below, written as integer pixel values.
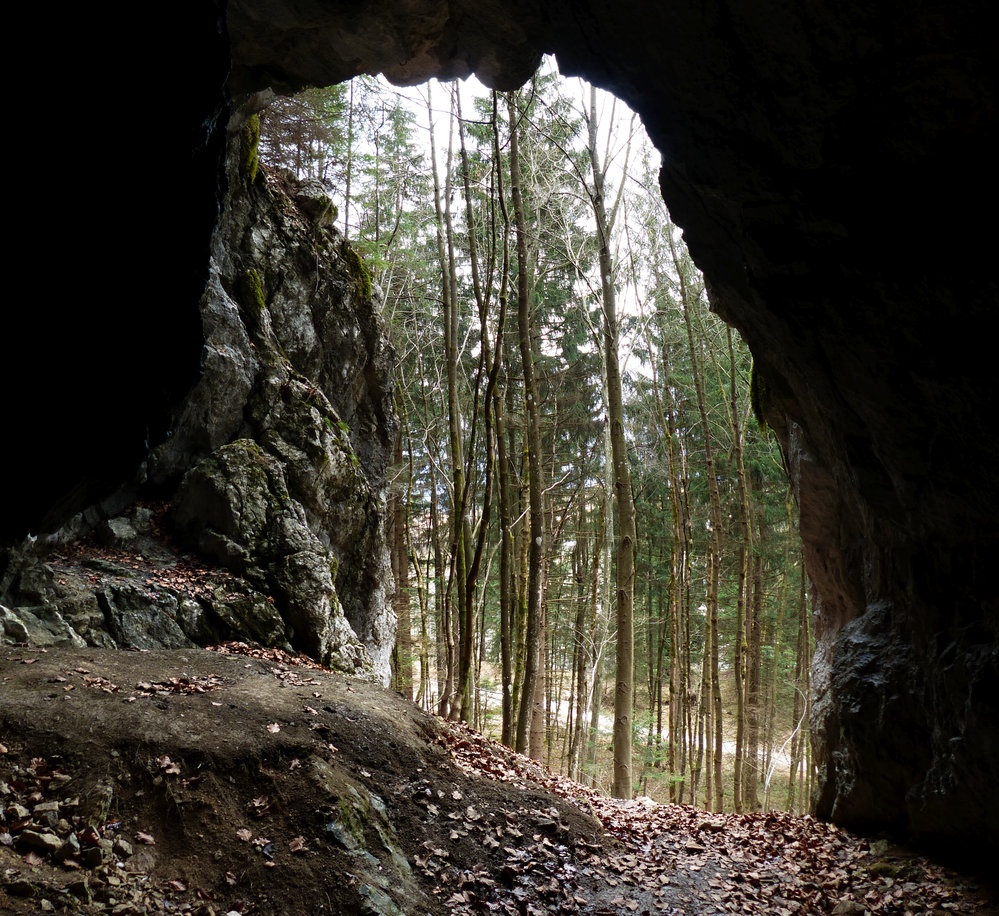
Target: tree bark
(536, 507)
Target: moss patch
(360, 270)
(251, 293)
(249, 159)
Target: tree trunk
(403, 652)
(626, 537)
(690, 302)
(536, 507)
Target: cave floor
(251, 782)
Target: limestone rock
(139, 618)
(248, 615)
(38, 626)
(289, 443)
(315, 200)
(39, 840)
(118, 532)
(236, 507)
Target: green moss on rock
(249, 159)
(251, 294)
(360, 270)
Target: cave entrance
(454, 233)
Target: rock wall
(288, 431)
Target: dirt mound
(236, 783)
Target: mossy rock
(359, 270)
(249, 157)
(251, 617)
(233, 493)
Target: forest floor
(250, 782)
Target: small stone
(20, 887)
(46, 906)
(46, 813)
(16, 813)
(40, 841)
(80, 889)
(68, 849)
(93, 857)
(122, 849)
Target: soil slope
(250, 782)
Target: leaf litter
(287, 825)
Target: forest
(593, 539)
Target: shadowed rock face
(826, 161)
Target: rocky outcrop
(287, 432)
(279, 450)
(126, 587)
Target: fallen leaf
(244, 835)
(177, 885)
(273, 728)
(145, 838)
